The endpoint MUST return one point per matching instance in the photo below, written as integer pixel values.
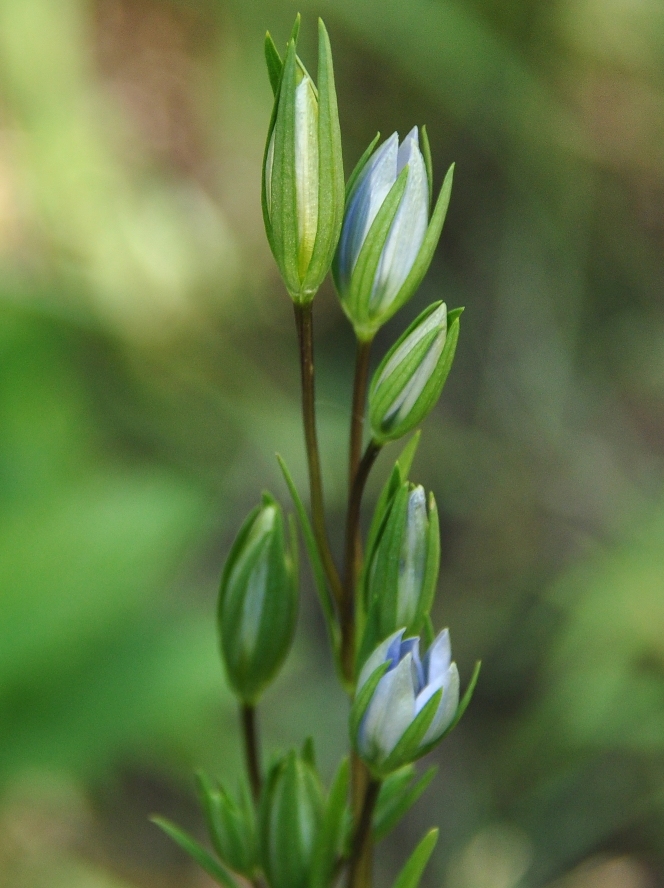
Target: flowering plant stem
(361, 853)
(304, 324)
(251, 748)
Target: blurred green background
(149, 373)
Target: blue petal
(390, 712)
(386, 650)
(412, 646)
(437, 659)
(371, 189)
(408, 228)
(446, 708)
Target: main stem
(361, 855)
(304, 324)
(250, 734)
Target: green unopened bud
(258, 600)
(303, 180)
(231, 826)
(291, 813)
(410, 378)
(402, 567)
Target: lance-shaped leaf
(398, 794)
(410, 875)
(202, 857)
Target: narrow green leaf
(426, 154)
(331, 834)
(360, 165)
(432, 565)
(363, 699)
(410, 875)
(274, 63)
(309, 751)
(394, 807)
(318, 570)
(202, 857)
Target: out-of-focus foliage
(148, 376)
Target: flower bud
(400, 581)
(303, 180)
(258, 600)
(231, 826)
(387, 240)
(410, 378)
(291, 812)
(404, 705)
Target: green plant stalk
(304, 324)
(360, 385)
(361, 854)
(251, 748)
(352, 558)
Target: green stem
(304, 324)
(360, 382)
(361, 855)
(351, 561)
(252, 756)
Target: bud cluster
(377, 235)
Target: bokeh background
(148, 374)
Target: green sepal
(360, 165)
(408, 748)
(428, 632)
(363, 698)
(283, 188)
(431, 570)
(202, 857)
(295, 32)
(398, 794)
(324, 594)
(461, 708)
(410, 875)
(330, 839)
(330, 171)
(231, 826)
(426, 154)
(356, 302)
(382, 397)
(274, 63)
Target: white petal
(408, 228)
(269, 163)
(437, 659)
(390, 712)
(379, 656)
(306, 170)
(437, 318)
(407, 397)
(446, 708)
(371, 189)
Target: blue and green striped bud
(258, 600)
(387, 240)
(410, 378)
(291, 814)
(303, 179)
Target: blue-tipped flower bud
(387, 240)
(410, 378)
(404, 705)
(258, 600)
(303, 180)
(402, 567)
(291, 813)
